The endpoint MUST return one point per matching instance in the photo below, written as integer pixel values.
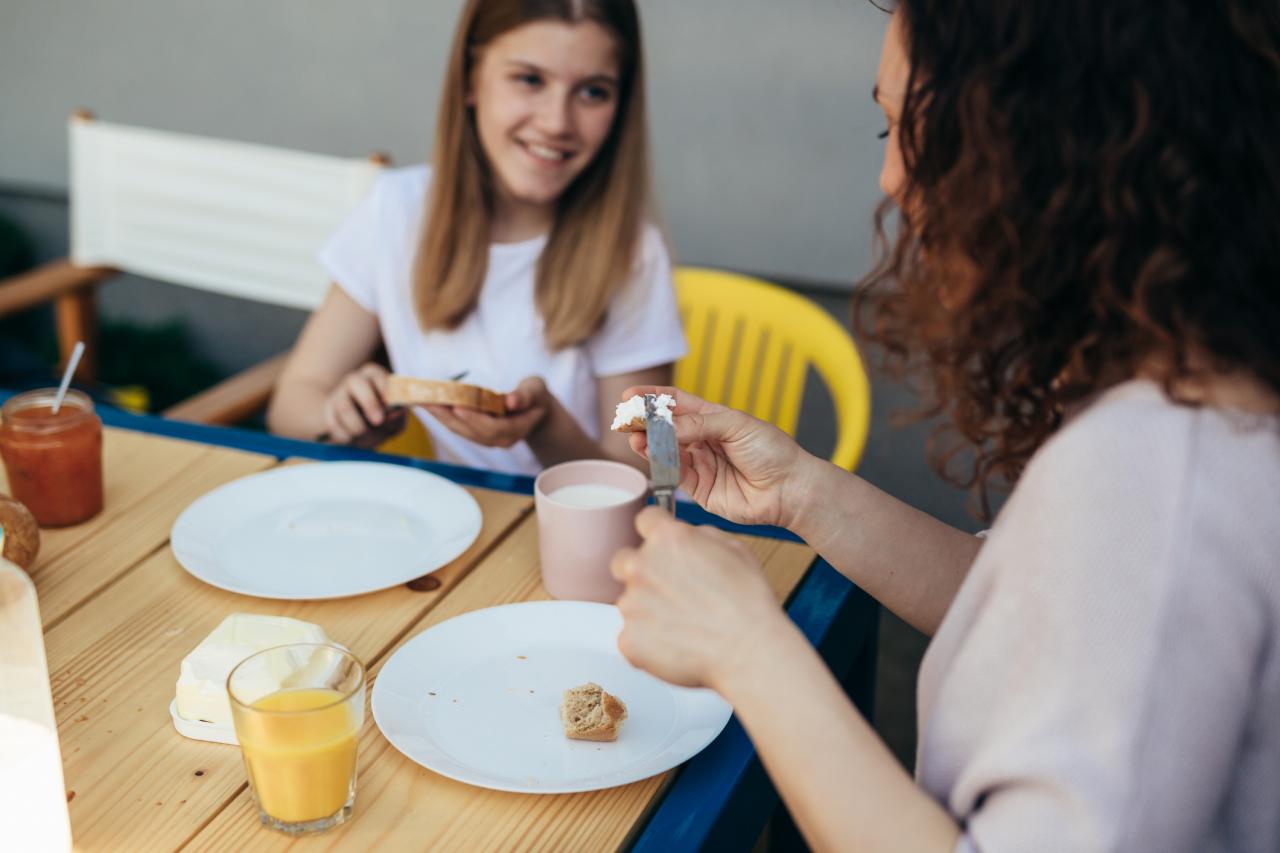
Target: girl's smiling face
(544, 97)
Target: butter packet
(201, 708)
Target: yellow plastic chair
(415, 441)
(751, 344)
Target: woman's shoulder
(1135, 424)
(1136, 462)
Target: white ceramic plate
(477, 699)
(326, 530)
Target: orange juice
(301, 766)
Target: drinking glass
(297, 711)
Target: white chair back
(229, 217)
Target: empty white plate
(325, 530)
(477, 699)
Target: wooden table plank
(400, 805)
(147, 481)
(137, 783)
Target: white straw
(66, 375)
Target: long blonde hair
(590, 252)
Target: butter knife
(664, 457)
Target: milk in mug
(591, 495)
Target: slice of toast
(408, 391)
(587, 712)
(633, 425)
(629, 416)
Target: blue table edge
(721, 798)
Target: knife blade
(664, 457)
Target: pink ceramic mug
(586, 514)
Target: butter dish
(200, 708)
(199, 729)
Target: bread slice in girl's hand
(408, 391)
(629, 416)
(588, 713)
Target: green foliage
(16, 253)
(28, 332)
(159, 357)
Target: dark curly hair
(1091, 187)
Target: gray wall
(762, 122)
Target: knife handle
(666, 499)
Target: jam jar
(54, 460)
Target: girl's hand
(354, 412)
(732, 464)
(526, 409)
(696, 608)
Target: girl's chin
(535, 196)
(532, 190)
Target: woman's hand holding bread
(696, 607)
(732, 464)
(354, 413)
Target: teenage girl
(521, 257)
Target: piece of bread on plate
(589, 713)
(408, 391)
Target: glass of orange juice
(297, 711)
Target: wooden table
(120, 614)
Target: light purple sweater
(1108, 676)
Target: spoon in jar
(76, 353)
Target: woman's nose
(891, 177)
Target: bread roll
(19, 534)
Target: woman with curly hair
(1085, 275)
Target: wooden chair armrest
(232, 399)
(47, 282)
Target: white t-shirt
(1108, 676)
(501, 342)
